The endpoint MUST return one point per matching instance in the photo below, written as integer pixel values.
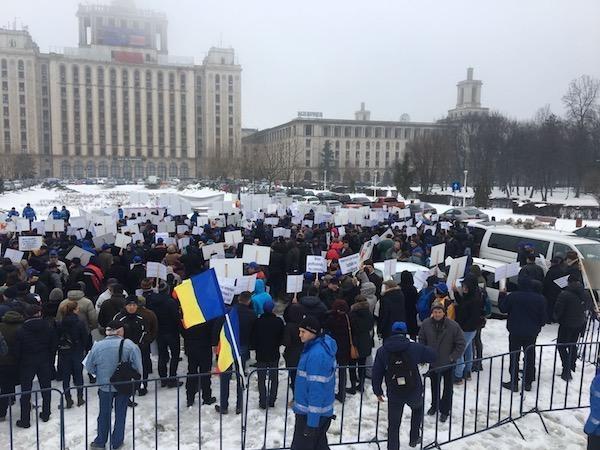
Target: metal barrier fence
(163, 419)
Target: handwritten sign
(437, 254)
(316, 264)
(156, 270)
(233, 237)
(349, 264)
(28, 243)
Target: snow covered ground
(565, 428)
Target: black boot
(80, 400)
(68, 402)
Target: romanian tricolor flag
(200, 299)
(228, 342)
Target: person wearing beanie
(442, 296)
(314, 393)
(267, 336)
(392, 308)
(361, 324)
(527, 314)
(426, 298)
(292, 315)
(446, 338)
(102, 361)
(35, 341)
(108, 293)
(111, 307)
(396, 362)
(86, 311)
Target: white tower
(468, 99)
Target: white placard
(272, 208)
(296, 220)
(78, 252)
(163, 236)
(340, 218)
(457, 270)
(183, 242)
(307, 223)
(99, 241)
(156, 270)
(445, 225)
(23, 225)
(561, 282)
(245, 283)
(342, 231)
(227, 286)
(54, 225)
(228, 267)
(389, 268)
(14, 255)
(78, 222)
(257, 253)
(435, 217)
(197, 231)
(366, 251)
(437, 254)
(322, 217)
(233, 237)
(182, 229)
(349, 264)
(28, 243)
(316, 264)
(213, 249)
(507, 271)
(273, 221)
(122, 240)
(388, 234)
(282, 232)
(294, 284)
(431, 228)
(411, 231)
(137, 237)
(40, 227)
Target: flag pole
(236, 351)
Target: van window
(560, 250)
(589, 251)
(511, 243)
(477, 234)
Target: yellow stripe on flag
(225, 359)
(192, 314)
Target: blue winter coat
(55, 214)
(65, 214)
(13, 213)
(29, 213)
(314, 392)
(526, 310)
(592, 426)
(260, 297)
(419, 354)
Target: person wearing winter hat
(441, 295)
(396, 362)
(391, 308)
(105, 258)
(86, 311)
(444, 336)
(267, 336)
(108, 293)
(314, 392)
(362, 322)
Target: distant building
(363, 149)
(118, 105)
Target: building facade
(118, 105)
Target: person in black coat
(391, 308)
(531, 269)
(398, 343)
(267, 336)
(35, 342)
(313, 306)
(292, 315)
(526, 311)
(407, 285)
(246, 320)
(168, 316)
(551, 290)
(72, 340)
(111, 307)
(570, 313)
(337, 325)
(361, 325)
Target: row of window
(367, 132)
(138, 169)
(357, 145)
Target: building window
(307, 143)
(308, 130)
(357, 146)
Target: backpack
(401, 374)
(124, 372)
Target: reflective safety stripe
(317, 378)
(313, 409)
(594, 421)
(596, 393)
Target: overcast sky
(398, 56)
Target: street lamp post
(466, 172)
(375, 186)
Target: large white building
(118, 105)
(363, 149)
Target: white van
(502, 242)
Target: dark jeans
(70, 365)
(521, 343)
(146, 361)
(199, 361)
(8, 381)
(395, 410)
(342, 377)
(168, 343)
(568, 353)
(357, 382)
(28, 371)
(317, 441)
(478, 348)
(273, 382)
(224, 384)
(104, 414)
(445, 403)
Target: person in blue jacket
(412, 353)
(314, 392)
(65, 214)
(13, 213)
(260, 297)
(592, 426)
(55, 214)
(120, 212)
(29, 213)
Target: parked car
(421, 207)
(327, 196)
(297, 198)
(311, 200)
(362, 201)
(343, 198)
(588, 232)
(389, 202)
(332, 206)
(464, 213)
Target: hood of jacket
(294, 313)
(75, 295)
(326, 342)
(12, 317)
(576, 289)
(396, 343)
(359, 307)
(259, 287)
(36, 325)
(310, 301)
(367, 288)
